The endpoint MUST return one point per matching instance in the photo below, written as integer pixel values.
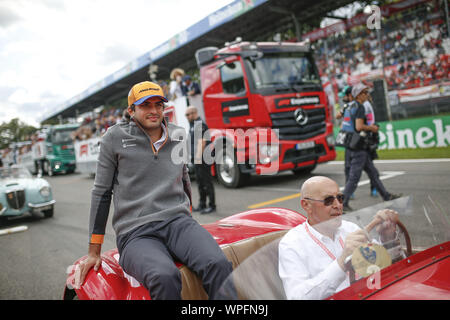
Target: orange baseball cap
(144, 90)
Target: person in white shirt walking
(312, 255)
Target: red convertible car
(418, 265)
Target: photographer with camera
(360, 147)
(372, 138)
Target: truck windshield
(61, 136)
(284, 69)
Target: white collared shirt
(160, 142)
(306, 269)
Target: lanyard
(324, 248)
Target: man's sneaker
(198, 209)
(208, 210)
(347, 208)
(374, 193)
(394, 196)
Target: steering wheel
(400, 225)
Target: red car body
(424, 275)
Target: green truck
(52, 151)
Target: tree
(15, 131)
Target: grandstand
(412, 40)
(411, 51)
(253, 20)
(416, 49)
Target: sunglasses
(328, 201)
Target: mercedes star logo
(300, 117)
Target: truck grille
(299, 156)
(68, 155)
(289, 129)
(16, 199)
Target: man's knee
(217, 279)
(219, 265)
(164, 284)
(168, 277)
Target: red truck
(266, 109)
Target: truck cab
(55, 153)
(271, 89)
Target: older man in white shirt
(312, 255)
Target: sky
(52, 50)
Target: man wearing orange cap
(152, 200)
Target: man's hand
(93, 260)
(374, 128)
(353, 241)
(385, 222)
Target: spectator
(198, 128)
(194, 98)
(177, 99)
(175, 87)
(189, 87)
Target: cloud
(52, 50)
(54, 4)
(6, 91)
(116, 53)
(27, 104)
(7, 17)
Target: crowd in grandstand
(415, 46)
(414, 43)
(97, 126)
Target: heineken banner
(414, 133)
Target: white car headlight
(267, 153)
(330, 140)
(45, 191)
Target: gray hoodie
(146, 185)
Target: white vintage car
(21, 193)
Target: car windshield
(14, 172)
(427, 224)
(62, 136)
(283, 70)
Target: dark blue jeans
(361, 160)
(148, 253)
(347, 161)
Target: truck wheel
(228, 172)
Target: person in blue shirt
(190, 88)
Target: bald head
(314, 186)
(191, 109)
(191, 113)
